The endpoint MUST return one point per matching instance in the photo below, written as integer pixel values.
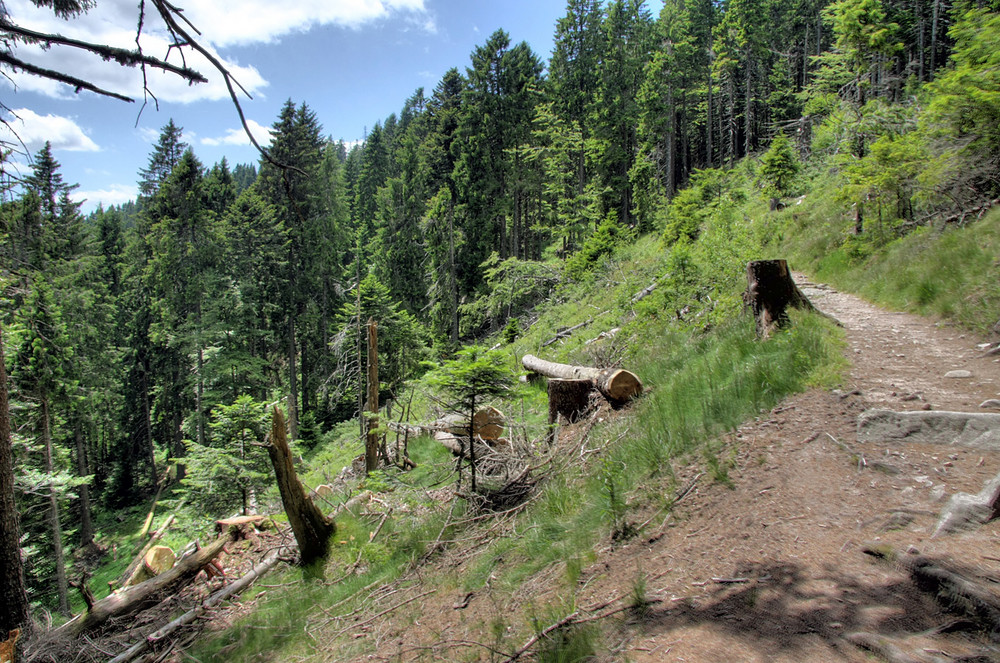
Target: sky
(353, 62)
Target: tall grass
(952, 272)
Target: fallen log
(564, 333)
(218, 597)
(138, 597)
(615, 384)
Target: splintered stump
(617, 385)
(770, 291)
(570, 398)
(311, 528)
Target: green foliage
(608, 236)
(232, 471)
(779, 166)
(513, 286)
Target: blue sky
(352, 61)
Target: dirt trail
(771, 568)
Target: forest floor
(770, 567)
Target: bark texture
(133, 599)
(770, 291)
(311, 528)
(569, 398)
(14, 603)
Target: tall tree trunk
(179, 450)
(147, 414)
(62, 585)
(371, 437)
(82, 470)
(671, 139)
(199, 396)
(747, 107)
(14, 606)
(934, 34)
(293, 384)
(454, 276)
(708, 123)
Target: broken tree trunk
(138, 597)
(157, 560)
(615, 384)
(770, 291)
(570, 398)
(312, 529)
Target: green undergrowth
(951, 271)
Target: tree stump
(156, 560)
(770, 291)
(570, 398)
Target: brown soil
(771, 568)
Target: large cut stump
(570, 398)
(770, 291)
(312, 529)
(615, 384)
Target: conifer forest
(146, 344)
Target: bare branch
(78, 83)
(123, 56)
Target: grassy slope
(704, 372)
(948, 271)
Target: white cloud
(28, 127)
(116, 194)
(239, 137)
(223, 23)
(113, 22)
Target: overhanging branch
(123, 56)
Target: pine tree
(166, 154)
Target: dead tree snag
(311, 528)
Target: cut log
(243, 525)
(156, 560)
(134, 564)
(9, 646)
(311, 528)
(570, 398)
(138, 597)
(615, 384)
(770, 291)
(487, 424)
